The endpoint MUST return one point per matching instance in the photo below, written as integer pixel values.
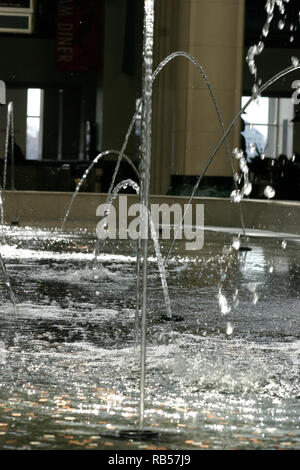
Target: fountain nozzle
(175, 318)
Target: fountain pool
(69, 371)
(223, 377)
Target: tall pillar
(164, 97)
(186, 127)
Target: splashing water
(237, 195)
(9, 145)
(223, 303)
(161, 266)
(252, 53)
(229, 329)
(263, 87)
(145, 180)
(3, 353)
(236, 243)
(8, 284)
(160, 67)
(86, 173)
(227, 382)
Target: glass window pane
(257, 112)
(34, 102)
(33, 138)
(256, 119)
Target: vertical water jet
(145, 180)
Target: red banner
(78, 34)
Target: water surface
(69, 372)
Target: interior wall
(120, 85)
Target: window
(268, 127)
(34, 128)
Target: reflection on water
(69, 372)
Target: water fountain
(68, 354)
(9, 147)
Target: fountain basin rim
(42, 209)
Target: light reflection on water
(69, 372)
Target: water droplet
(252, 147)
(244, 166)
(260, 47)
(281, 24)
(295, 61)
(235, 298)
(237, 153)
(224, 307)
(280, 5)
(255, 298)
(262, 156)
(265, 30)
(226, 250)
(236, 195)
(269, 192)
(291, 38)
(235, 295)
(255, 90)
(271, 269)
(229, 329)
(236, 177)
(247, 188)
(236, 243)
(284, 244)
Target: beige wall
(185, 128)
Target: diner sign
(19, 4)
(77, 35)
